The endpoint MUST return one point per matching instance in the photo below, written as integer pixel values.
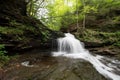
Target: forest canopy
(57, 14)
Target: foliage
(8, 30)
(117, 44)
(60, 15)
(3, 58)
(118, 41)
(101, 37)
(53, 12)
(45, 35)
(56, 14)
(34, 7)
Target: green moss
(116, 19)
(45, 35)
(9, 30)
(3, 58)
(102, 37)
(19, 31)
(22, 26)
(117, 44)
(90, 35)
(22, 34)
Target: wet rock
(92, 44)
(2, 74)
(103, 51)
(96, 44)
(50, 68)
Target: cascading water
(70, 44)
(70, 47)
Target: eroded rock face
(107, 50)
(50, 68)
(19, 31)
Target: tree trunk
(84, 15)
(84, 19)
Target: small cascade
(69, 44)
(27, 64)
(71, 47)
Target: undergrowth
(101, 37)
(3, 57)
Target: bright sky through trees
(55, 7)
(54, 10)
(62, 13)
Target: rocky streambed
(46, 67)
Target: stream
(71, 62)
(46, 67)
(71, 47)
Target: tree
(61, 13)
(34, 6)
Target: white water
(27, 64)
(70, 47)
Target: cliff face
(11, 9)
(19, 31)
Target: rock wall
(19, 31)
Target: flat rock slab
(50, 68)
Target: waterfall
(69, 44)
(71, 47)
